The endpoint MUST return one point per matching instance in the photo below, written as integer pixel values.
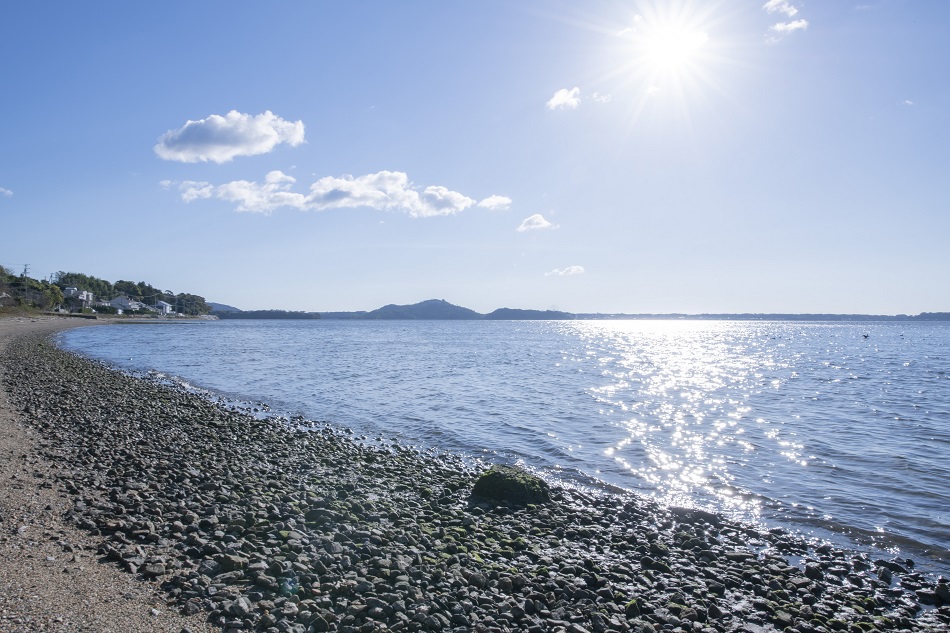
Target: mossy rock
(511, 484)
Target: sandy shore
(125, 503)
(50, 577)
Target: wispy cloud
(564, 272)
(633, 28)
(780, 6)
(220, 139)
(601, 98)
(534, 223)
(789, 27)
(384, 191)
(565, 99)
(907, 102)
(496, 203)
(789, 10)
(6, 193)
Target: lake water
(840, 430)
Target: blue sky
(722, 156)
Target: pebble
(270, 524)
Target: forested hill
(514, 314)
(435, 309)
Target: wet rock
(813, 571)
(511, 484)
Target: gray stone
(511, 484)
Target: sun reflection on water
(681, 391)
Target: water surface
(831, 428)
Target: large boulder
(511, 484)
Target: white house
(83, 296)
(125, 304)
(164, 308)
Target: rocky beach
(181, 514)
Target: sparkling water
(838, 429)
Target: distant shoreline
(441, 310)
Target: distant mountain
(435, 309)
(221, 307)
(514, 314)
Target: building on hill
(127, 305)
(164, 308)
(82, 297)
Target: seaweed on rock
(512, 484)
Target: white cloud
(440, 201)
(496, 203)
(789, 27)
(653, 90)
(565, 99)
(535, 222)
(222, 138)
(601, 98)
(563, 272)
(907, 102)
(384, 191)
(780, 6)
(6, 193)
(192, 190)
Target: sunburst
(668, 50)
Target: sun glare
(668, 48)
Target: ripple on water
(805, 423)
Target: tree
(128, 288)
(191, 304)
(37, 294)
(101, 288)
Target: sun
(667, 48)
(673, 47)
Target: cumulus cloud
(220, 139)
(780, 6)
(6, 193)
(789, 27)
(563, 272)
(495, 203)
(565, 99)
(384, 191)
(534, 223)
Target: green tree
(191, 304)
(101, 288)
(128, 288)
(37, 294)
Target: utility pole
(23, 287)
